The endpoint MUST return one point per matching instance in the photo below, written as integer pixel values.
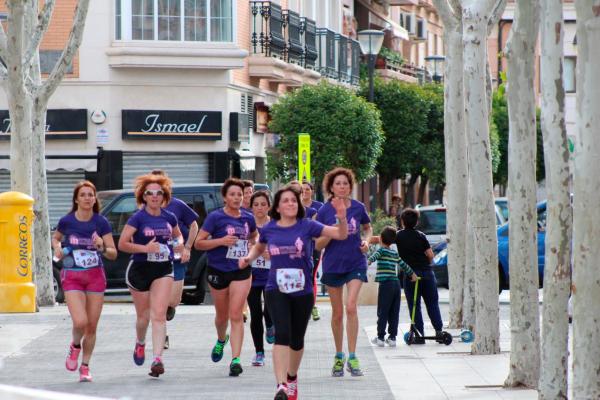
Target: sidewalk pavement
(33, 348)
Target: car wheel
(196, 296)
(58, 290)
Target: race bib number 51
(290, 280)
(238, 250)
(261, 263)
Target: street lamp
(370, 41)
(435, 60)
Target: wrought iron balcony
(327, 51)
(267, 29)
(308, 30)
(355, 57)
(341, 53)
(294, 50)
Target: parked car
(440, 261)
(119, 205)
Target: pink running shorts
(92, 280)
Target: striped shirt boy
(387, 262)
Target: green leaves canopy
(345, 131)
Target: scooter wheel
(467, 336)
(446, 338)
(408, 338)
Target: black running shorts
(220, 280)
(140, 274)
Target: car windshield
(105, 198)
(432, 222)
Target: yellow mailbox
(17, 292)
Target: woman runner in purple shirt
(344, 263)
(86, 236)
(289, 288)
(230, 229)
(260, 204)
(148, 236)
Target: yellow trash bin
(17, 292)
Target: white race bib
(162, 255)
(290, 280)
(261, 263)
(238, 250)
(86, 258)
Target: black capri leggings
(290, 315)
(256, 316)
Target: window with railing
(267, 29)
(326, 59)
(309, 34)
(174, 20)
(355, 56)
(291, 27)
(341, 49)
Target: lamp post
(435, 60)
(370, 41)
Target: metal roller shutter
(183, 169)
(60, 191)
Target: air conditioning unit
(421, 30)
(410, 23)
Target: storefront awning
(84, 162)
(247, 160)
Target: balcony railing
(355, 56)
(341, 48)
(327, 52)
(291, 27)
(308, 29)
(267, 29)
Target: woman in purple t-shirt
(148, 236)
(230, 229)
(289, 287)
(87, 237)
(344, 263)
(260, 204)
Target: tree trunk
(410, 191)
(586, 215)
(42, 245)
(557, 272)
(455, 144)
(524, 281)
(19, 104)
(423, 185)
(468, 308)
(483, 224)
(384, 185)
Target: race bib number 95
(161, 256)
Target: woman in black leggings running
(289, 286)
(260, 204)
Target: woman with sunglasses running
(148, 236)
(81, 238)
(289, 287)
(230, 229)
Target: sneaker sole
(258, 364)
(156, 371)
(360, 373)
(236, 370)
(281, 395)
(85, 380)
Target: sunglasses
(157, 192)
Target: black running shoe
(170, 313)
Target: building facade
(178, 85)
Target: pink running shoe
(84, 374)
(139, 353)
(72, 358)
(292, 387)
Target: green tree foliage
(500, 123)
(345, 131)
(413, 123)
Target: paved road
(33, 348)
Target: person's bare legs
(94, 303)
(238, 293)
(160, 294)
(221, 302)
(141, 301)
(337, 315)
(352, 313)
(281, 362)
(76, 303)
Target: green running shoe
(353, 366)
(338, 367)
(315, 314)
(235, 368)
(217, 351)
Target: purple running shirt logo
(295, 251)
(242, 232)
